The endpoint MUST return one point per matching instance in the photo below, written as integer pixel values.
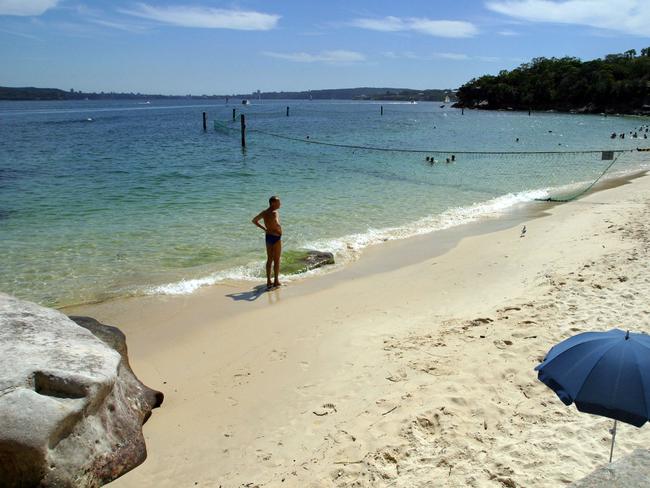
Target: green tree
(617, 83)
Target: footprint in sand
(397, 377)
(326, 409)
(277, 355)
(241, 378)
(263, 456)
(427, 424)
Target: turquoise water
(106, 199)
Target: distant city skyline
(216, 47)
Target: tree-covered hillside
(618, 83)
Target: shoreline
(374, 258)
(416, 372)
(573, 111)
(151, 253)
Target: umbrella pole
(611, 451)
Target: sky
(221, 47)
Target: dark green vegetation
(404, 94)
(618, 83)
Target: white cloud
(340, 56)
(387, 24)
(26, 7)
(625, 16)
(118, 25)
(19, 34)
(452, 56)
(209, 18)
(508, 33)
(489, 59)
(428, 56)
(402, 55)
(421, 25)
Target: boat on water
(245, 102)
(447, 99)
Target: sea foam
(349, 247)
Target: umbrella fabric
(603, 373)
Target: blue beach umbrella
(603, 373)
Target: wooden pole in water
(205, 121)
(233, 114)
(287, 111)
(242, 119)
(381, 111)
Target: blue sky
(208, 47)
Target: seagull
(523, 231)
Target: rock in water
(71, 409)
(316, 259)
(300, 261)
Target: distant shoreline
(363, 93)
(564, 110)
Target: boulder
(590, 108)
(316, 259)
(71, 409)
(303, 260)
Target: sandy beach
(411, 367)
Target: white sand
(418, 376)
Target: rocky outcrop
(316, 259)
(299, 261)
(71, 409)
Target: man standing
(273, 230)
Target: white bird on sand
(523, 231)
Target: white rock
(65, 400)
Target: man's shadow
(248, 296)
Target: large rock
(303, 260)
(71, 409)
(316, 259)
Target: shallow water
(102, 198)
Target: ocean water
(101, 199)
